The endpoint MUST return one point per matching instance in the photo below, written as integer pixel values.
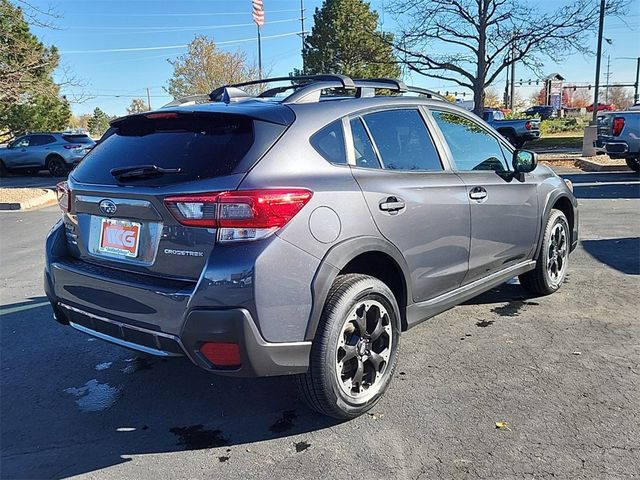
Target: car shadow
(622, 254)
(74, 405)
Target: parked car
(517, 132)
(56, 152)
(619, 136)
(301, 234)
(602, 107)
(545, 112)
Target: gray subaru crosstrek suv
(300, 232)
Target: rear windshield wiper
(141, 171)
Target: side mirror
(524, 161)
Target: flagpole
(259, 55)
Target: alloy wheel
(557, 253)
(364, 349)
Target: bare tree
(205, 67)
(471, 42)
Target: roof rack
(308, 88)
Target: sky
(117, 49)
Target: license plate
(119, 237)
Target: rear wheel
(355, 350)
(551, 266)
(511, 138)
(633, 163)
(56, 166)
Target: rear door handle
(477, 193)
(392, 204)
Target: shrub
(560, 125)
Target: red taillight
(528, 125)
(222, 354)
(71, 147)
(240, 215)
(64, 196)
(617, 126)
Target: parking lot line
(22, 308)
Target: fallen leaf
(502, 426)
(577, 353)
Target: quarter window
(472, 147)
(329, 142)
(403, 140)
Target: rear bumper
(160, 318)
(258, 357)
(531, 136)
(614, 148)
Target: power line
(217, 14)
(178, 29)
(172, 47)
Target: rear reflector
(222, 354)
(239, 215)
(528, 125)
(64, 196)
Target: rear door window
(403, 140)
(365, 155)
(201, 146)
(38, 140)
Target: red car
(602, 107)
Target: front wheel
(551, 266)
(355, 351)
(633, 163)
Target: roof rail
(308, 88)
(345, 82)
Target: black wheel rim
(56, 168)
(364, 350)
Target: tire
(56, 166)
(3, 169)
(633, 163)
(366, 361)
(551, 265)
(511, 138)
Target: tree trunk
(478, 99)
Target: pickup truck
(619, 136)
(517, 132)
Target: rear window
(200, 146)
(76, 138)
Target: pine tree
(98, 123)
(345, 40)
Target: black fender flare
(336, 258)
(550, 201)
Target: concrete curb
(592, 166)
(47, 198)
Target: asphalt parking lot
(562, 371)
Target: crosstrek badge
(120, 237)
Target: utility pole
(636, 97)
(608, 75)
(302, 32)
(148, 99)
(512, 94)
(598, 58)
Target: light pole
(598, 58)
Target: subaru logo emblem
(107, 207)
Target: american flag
(258, 12)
